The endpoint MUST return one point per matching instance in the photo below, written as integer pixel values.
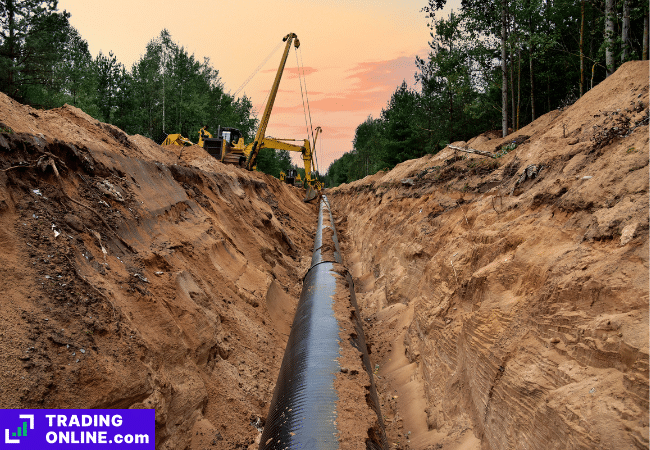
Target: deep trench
(304, 411)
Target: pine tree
(29, 31)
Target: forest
(491, 65)
(45, 63)
(496, 65)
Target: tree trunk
(451, 113)
(512, 88)
(12, 42)
(645, 37)
(504, 75)
(548, 91)
(625, 31)
(532, 86)
(582, 53)
(518, 84)
(592, 27)
(531, 31)
(609, 36)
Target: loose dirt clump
(507, 297)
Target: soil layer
(137, 276)
(507, 297)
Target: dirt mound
(508, 296)
(136, 277)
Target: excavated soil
(356, 419)
(135, 276)
(507, 298)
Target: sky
(354, 53)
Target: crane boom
(229, 146)
(259, 136)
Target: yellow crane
(307, 156)
(229, 147)
(307, 159)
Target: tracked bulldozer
(222, 146)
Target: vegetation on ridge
(555, 51)
(45, 63)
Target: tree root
(47, 160)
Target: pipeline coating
(303, 412)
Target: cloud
(293, 131)
(380, 75)
(367, 86)
(351, 94)
(293, 91)
(333, 132)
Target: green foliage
(460, 81)
(33, 38)
(272, 161)
(76, 74)
(173, 92)
(339, 171)
(44, 62)
(110, 79)
(401, 128)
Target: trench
(306, 410)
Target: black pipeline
(303, 413)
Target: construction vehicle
(203, 134)
(177, 139)
(228, 146)
(292, 177)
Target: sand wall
(508, 298)
(140, 277)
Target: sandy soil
(507, 299)
(139, 277)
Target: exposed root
(47, 160)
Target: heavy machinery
(289, 177)
(177, 139)
(292, 177)
(228, 145)
(232, 137)
(203, 134)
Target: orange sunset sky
(355, 53)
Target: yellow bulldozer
(177, 139)
(292, 177)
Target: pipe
(320, 400)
